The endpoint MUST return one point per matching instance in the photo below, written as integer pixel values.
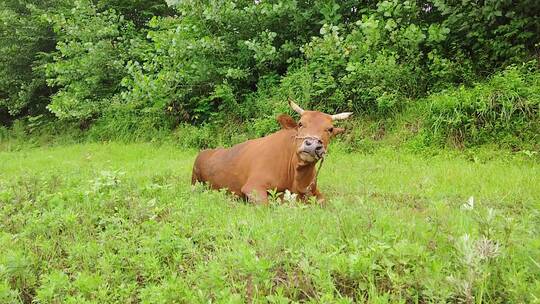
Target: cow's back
(222, 168)
(231, 168)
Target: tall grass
(505, 109)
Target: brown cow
(284, 160)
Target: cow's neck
(304, 176)
(301, 173)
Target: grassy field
(117, 223)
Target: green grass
(119, 223)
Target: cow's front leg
(307, 197)
(255, 194)
(319, 196)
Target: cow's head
(313, 131)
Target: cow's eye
(331, 129)
(300, 125)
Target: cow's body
(281, 161)
(257, 165)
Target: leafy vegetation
(129, 66)
(504, 109)
(406, 221)
(111, 223)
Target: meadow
(120, 223)
(433, 193)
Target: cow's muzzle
(313, 147)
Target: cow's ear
(337, 131)
(286, 121)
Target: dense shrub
(26, 41)
(398, 50)
(208, 62)
(89, 63)
(203, 65)
(137, 11)
(345, 72)
(506, 109)
(47, 46)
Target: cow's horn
(340, 116)
(295, 107)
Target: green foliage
(201, 66)
(340, 74)
(490, 33)
(26, 41)
(506, 109)
(162, 64)
(137, 11)
(124, 124)
(115, 223)
(399, 50)
(89, 64)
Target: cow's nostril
(318, 148)
(308, 143)
(319, 141)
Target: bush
(208, 62)
(204, 66)
(26, 40)
(120, 123)
(506, 110)
(89, 63)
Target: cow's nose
(313, 143)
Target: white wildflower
(469, 205)
(289, 196)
